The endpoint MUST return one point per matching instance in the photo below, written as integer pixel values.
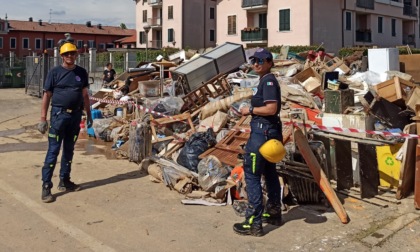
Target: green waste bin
(18, 77)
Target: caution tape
(312, 126)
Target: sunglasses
(69, 54)
(257, 60)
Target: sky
(105, 12)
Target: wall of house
(197, 24)
(227, 8)
(32, 36)
(326, 25)
(175, 23)
(299, 33)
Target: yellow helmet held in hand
(68, 47)
(273, 150)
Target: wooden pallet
(166, 120)
(213, 88)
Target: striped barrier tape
(312, 126)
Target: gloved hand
(89, 122)
(43, 127)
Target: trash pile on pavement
(179, 118)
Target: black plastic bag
(197, 144)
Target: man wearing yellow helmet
(66, 86)
(265, 125)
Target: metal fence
(37, 68)
(12, 72)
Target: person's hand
(43, 127)
(244, 111)
(89, 122)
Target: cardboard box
(312, 85)
(305, 74)
(410, 64)
(395, 89)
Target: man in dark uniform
(265, 125)
(66, 86)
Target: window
(262, 20)
(1, 43)
(25, 43)
(231, 25)
(212, 34)
(91, 44)
(79, 44)
(144, 16)
(170, 12)
(211, 13)
(50, 43)
(393, 27)
(102, 46)
(284, 20)
(380, 24)
(142, 37)
(38, 44)
(170, 35)
(12, 43)
(348, 21)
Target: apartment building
(176, 23)
(337, 24)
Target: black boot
(272, 215)
(67, 185)
(47, 197)
(248, 228)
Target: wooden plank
(343, 164)
(417, 179)
(408, 165)
(355, 195)
(369, 174)
(319, 176)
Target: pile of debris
(180, 119)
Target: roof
(126, 40)
(17, 25)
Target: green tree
(123, 26)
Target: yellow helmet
(68, 47)
(273, 150)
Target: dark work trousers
(64, 129)
(256, 165)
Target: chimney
(31, 19)
(99, 26)
(88, 24)
(40, 22)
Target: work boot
(272, 215)
(66, 185)
(248, 228)
(47, 197)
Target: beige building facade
(176, 23)
(337, 24)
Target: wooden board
(319, 175)
(417, 179)
(408, 165)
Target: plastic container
(119, 112)
(149, 88)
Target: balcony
(155, 2)
(156, 44)
(155, 22)
(410, 11)
(366, 4)
(250, 4)
(364, 36)
(255, 34)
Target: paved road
(120, 209)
